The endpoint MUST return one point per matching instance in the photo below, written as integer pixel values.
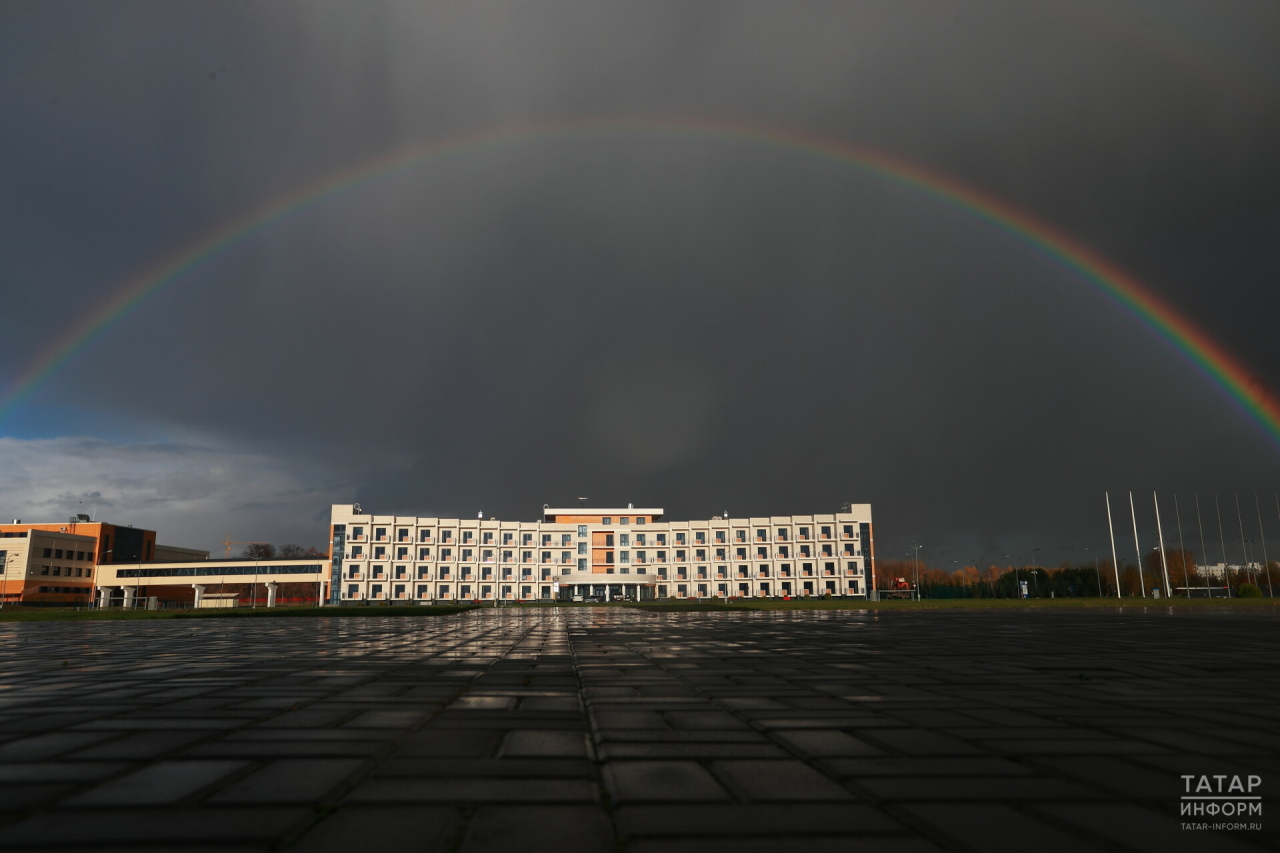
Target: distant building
(46, 567)
(204, 583)
(55, 563)
(1217, 570)
(607, 554)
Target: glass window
(582, 530)
(607, 520)
(624, 520)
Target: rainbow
(1198, 348)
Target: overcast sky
(695, 322)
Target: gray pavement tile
(464, 790)
(550, 768)
(475, 743)
(919, 742)
(778, 781)
(162, 783)
(807, 844)
(388, 719)
(539, 829)
(57, 771)
(534, 743)
(974, 789)
(292, 780)
(1118, 776)
(658, 781)
(136, 826)
(25, 796)
(735, 819)
(688, 749)
(825, 743)
(923, 767)
(49, 745)
(994, 828)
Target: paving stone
(352, 829)
(484, 790)
(45, 746)
(527, 743)
(291, 780)
(826, 743)
(995, 827)
(777, 781)
(1050, 729)
(805, 844)
(539, 829)
(134, 826)
(161, 783)
(641, 781)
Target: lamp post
(1034, 568)
(1035, 577)
(4, 590)
(917, 548)
(1096, 570)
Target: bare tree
(291, 552)
(259, 551)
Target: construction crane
(227, 543)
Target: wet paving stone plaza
(613, 729)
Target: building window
(640, 519)
(661, 538)
(624, 520)
(607, 520)
(582, 565)
(582, 530)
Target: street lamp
(917, 548)
(1035, 577)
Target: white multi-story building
(605, 554)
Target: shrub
(826, 596)
(1248, 590)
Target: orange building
(53, 563)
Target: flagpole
(1164, 564)
(1222, 540)
(1133, 514)
(1115, 565)
(1263, 537)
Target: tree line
(267, 551)
(1068, 581)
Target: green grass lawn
(948, 604)
(48, 614)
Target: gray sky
(696, 322)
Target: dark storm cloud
(698, 323)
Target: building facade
(606, 554)
(199, 582)
(46, 567)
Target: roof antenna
(482, 513)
